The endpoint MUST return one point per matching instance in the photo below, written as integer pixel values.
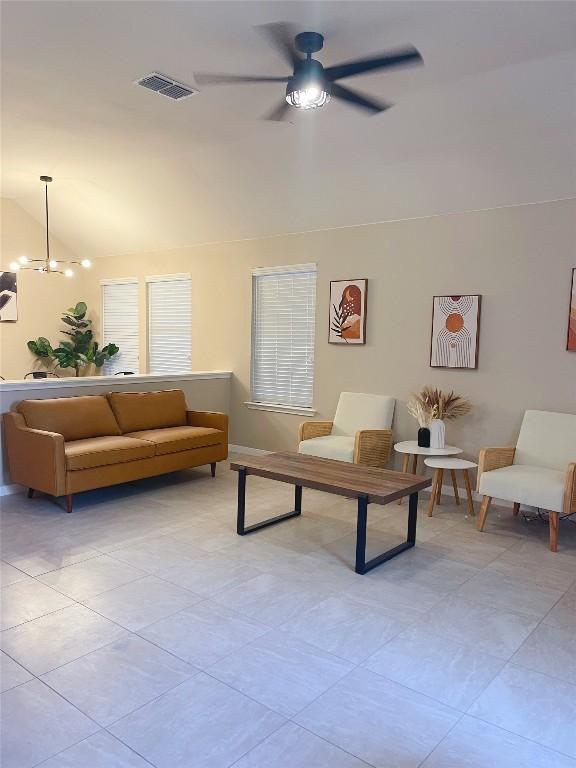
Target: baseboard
(245, 449)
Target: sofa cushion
(103, 451)
(536, 486)
(331, 447)
(73, 417)
(136, 411)
(174, 439)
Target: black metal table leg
(241, 528)
(362, 566)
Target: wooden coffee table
(369, 485)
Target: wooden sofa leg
(516, 509)
(485, 506)
(213, 469)
(69, 502)
(553, 518)
(30, 493)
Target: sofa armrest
(210, 419)
(36, 458)
(372, 447)
(495, 458)
(570, 490)
(310, 429)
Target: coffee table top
(339, 477)
(412, 447)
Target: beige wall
(41, 298)
(518, 258)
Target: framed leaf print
(348, 311)
(455, 331)
(571, 341)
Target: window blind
(283, 320)
(169, 324)
(120, 324)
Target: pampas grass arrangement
(446, 406)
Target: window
(169, 324)
(283, 315)
(120, 324)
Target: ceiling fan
(311, 85)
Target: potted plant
(432, 407)
(80, 351)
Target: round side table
(410, 448)
(439, 464)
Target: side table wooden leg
(405, 463)
(455, 486)
(469, 499)
(433, 492)
(415, 464)
(516, 508)
(439, 489)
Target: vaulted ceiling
(489, 121)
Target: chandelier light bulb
(86, 263)
(53, 264)
(14, 266)
(68, 273)
(23, 259)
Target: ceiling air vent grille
(166, 86)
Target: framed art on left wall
(571, 340)
(348, 304)
(8, 297)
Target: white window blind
(120, 324)
(283, 319)
(169, 324)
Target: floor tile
(11, 673)
(203, 633)
(510, 594)
(142, 602)
(532, 705)
(491, 630)
(99, 751)
(419, 568)
(445, 670)
(37, 723)
(58, 638)
(10, 575)
(210, 574)
(543, 576)
(346, 628)
(201, 723)
(563, 614)
(52, 556)
(112, 681)
(90, 578)
(27, 600)
(293, 747)
(280, 671)
(378, 721)
(475, 744)
(550, 650)
(156, 554)
(408, 603)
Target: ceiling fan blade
(214, 78)
(402, 57)
(358, 100)
(278, 112)
(280, 35)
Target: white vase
(437, 434)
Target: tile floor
(141, 631)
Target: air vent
(166, 86)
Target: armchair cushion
(538, 486)
(547, 439)
(357, 411)
(330, 447)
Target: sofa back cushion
(547, 439)
(136, 411)
(358, 411)
(76, 418)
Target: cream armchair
(540, 470)
(360, 433)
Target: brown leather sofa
(69, 444)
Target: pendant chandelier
(48, 265)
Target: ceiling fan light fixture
(309, 94)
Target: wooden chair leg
(69, 502)
(554, 519)
(469, 499)
(213, 469)
(433, 492)
(455, 486)
(405, 463)
(485, 506)
(415, 464)
(516, 509)
(439, 489)
(30, 493)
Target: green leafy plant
(81, 349)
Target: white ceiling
(489, 121)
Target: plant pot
(424, 437)
(437, 433)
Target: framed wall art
(347, 320)
(8, 297)
(455, 331)
(571, 340)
